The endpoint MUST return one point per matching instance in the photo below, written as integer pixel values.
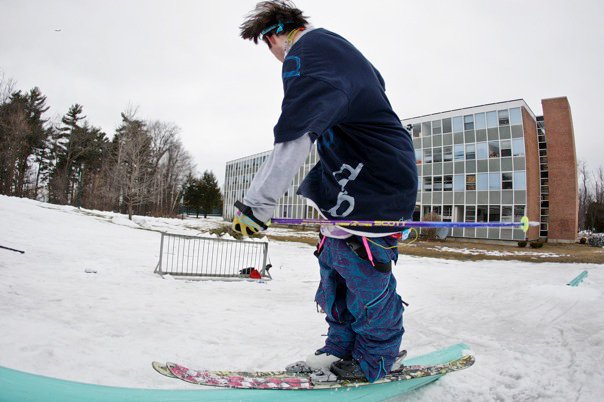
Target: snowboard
(283, 380)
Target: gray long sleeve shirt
(275, 175)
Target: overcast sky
(183, 61)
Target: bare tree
(175, 167)
(599, 186)
(163, 135)
(134, 171)
(592, 194)
(584, 192)
(7, 87)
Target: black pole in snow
(12, 249)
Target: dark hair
(282, 14)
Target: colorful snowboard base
(281, 380)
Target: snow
(475, 251)
(83, 304)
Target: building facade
(484, 163)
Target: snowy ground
(476, 251)
(533, 336)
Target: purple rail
(523, 224)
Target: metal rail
(194, 256)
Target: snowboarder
(335, 97)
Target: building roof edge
(473, 107)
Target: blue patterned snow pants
(364, 312)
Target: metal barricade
(206, 257)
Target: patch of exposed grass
(550, 252)
(294, 238)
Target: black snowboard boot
(348, 370)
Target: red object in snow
(254, 274)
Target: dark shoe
(348, 370)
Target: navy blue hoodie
(367, 164)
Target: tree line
(143, 169)
(591, 198)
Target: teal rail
(578, 279)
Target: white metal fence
(193, 256)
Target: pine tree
(211, 197)
(22, 134)
(89, 151)
(38, 135)
(192, 195)
(13, 134)
(65, 149)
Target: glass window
(504, 117)
(437, 182)
(447, 154)
(480, 121)
(471, 182)
(520, 180)
(518, 146)
(448, 183)
(470, 214)
(436, 127)
(468, 122)
(428, 183)
(481, 150)
(428, 155)
(518, 212)
(459, 152)
(494, 213)
(446, 125)
(506, 148)
(492, 119)
(482, 181)
(458, 138)
(417, 130)
(481, 213)
(515, 116)
(418, 156)
(470, 151)
(458, 182)
(494, 151)
(426, 129)
(437, 140)
(457, 124)
(506, 213)
(437, 154)
(447, 213)
(494, 181)
(506, 181)
(427, 142)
